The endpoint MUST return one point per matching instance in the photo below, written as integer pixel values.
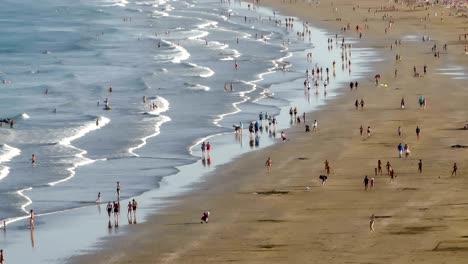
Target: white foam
(206, 72)
(200, 34)
(207, 24)
(25, 116)
(199, 87)
(7, 153)
(160, 13)
(163, 106)
(80, 132)
(28, 200)
(162, 103)
(182, 55)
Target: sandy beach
(288, 216)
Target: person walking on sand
(356, 104)
(368, 131)
(379, 167)
(31, 219)
(402, 103)
(134, 208)
(268, 164)
(327, 168)
(455, 168)
(407, 150)
(371, 223)
(420, 166)
(109, 209)
(372, 182)
(399, 131)
(283, 136)
(392, 174)
(400, 150)
(418, 132)
(361, 129)
(314, 127)
(388, 167)
(366, 183)
(362, 104)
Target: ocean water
(61, 57)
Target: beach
(419, 217)
(180, 54)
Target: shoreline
(86, 211)
(241, 231)
(185, 196)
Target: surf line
(103, 121)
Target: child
(205, 216)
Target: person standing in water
(109, 209)
(129, 211)
(118, 190)
(208, 148)
(33, 159)
(116, 214)
(31, 219)
(203, 148)
(98, 200)
(2, 257)
(134, 207)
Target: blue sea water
(58, 59)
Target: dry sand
(260, 218)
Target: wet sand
(272, 218)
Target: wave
(207, 24)
(200, 34)
(160, 13)
(22, 116)
(182, 55)
(163, 106)
(80, 132)
(205, 72)
(7, 153)
(162, 103)
(197, 87)
(121, 3)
